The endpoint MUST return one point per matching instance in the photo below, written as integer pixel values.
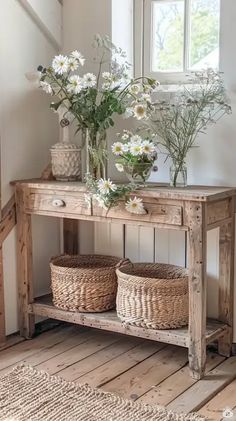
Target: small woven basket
(84, 283)
(152, 295)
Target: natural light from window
(185, 35)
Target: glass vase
(95, 144)
(138, 173)
(178, 174)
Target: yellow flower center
(140, 110)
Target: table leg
(226, 280)
(24, 261)
(70, 236)
(195, 215)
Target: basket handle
(123, 262)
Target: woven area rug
(27, 394)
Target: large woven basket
(153, 295)
(84, 283)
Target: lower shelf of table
(43, 306)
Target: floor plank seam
(162, 381)
(135, 365)
(101, 365)
(37, 351)
(177, 396)
(90, 355)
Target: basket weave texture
(84, 283)
(153, 295)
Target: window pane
(167, 36)
(204, 34)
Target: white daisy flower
(135, 205)
(60, 64)
(140, 111)
(119, 167)
(46, 87)
(136, 139)
(117, 148)
(148, 147)
(106, 86)
(73, 64)
(76, 54)
(129, 112)
(107, 76)
(146, 97)
(75, 85)
(105, 186)
(89, 80)
(136, 149)
(135, 89)
(125, 136)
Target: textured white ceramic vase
(66, 161)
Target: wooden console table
(194, 210)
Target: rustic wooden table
(193, 209)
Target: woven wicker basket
(84, 283)
(152, 295)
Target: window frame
(143, 37)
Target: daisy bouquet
(135, 156)
(107, 194)
(93, 99)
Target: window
(179, 36)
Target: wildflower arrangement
(106, 194)
(93, 100)
(134, 155)
(178, 123)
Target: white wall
(212, 163)
(27, 129)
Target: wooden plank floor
(134, 368)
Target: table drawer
(57, 203)
(155, 213)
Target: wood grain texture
(107, 372)
(70, 236)
(202, 391)
(150, 372)
(111, 354)
(57, 202)
(8, 219)
(161, 191)
(173, 386)
(195, 218)
(109, 321)
(218, 211)
(226, 283)
(155, 212)
(7, 223)
(24, 262)
(213, 410)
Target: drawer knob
(58, 203)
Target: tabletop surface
(155, 190)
